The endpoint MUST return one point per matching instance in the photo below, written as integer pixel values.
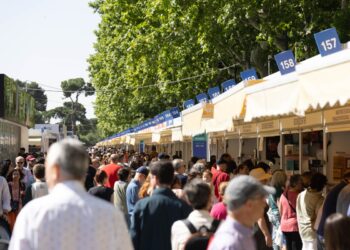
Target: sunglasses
(20, 162)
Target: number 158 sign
(285, 62)
(328, 42)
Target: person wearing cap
(245, 198)
(263, 235)
(133, 188)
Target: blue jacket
(153, 217)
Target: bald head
(70, 157)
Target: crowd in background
(167, 203)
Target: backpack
(200, 238)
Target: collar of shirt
(75, 186)
(238, 227)
(135, 182)
(164, 191)
(199, 214)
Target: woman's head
(336, 232)
(15, 175)
(4, 167)
(296, 182)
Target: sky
(47, 41)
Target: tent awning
(317, 82)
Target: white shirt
(39, 189)
(5, 196)
(70, 218)
(180, 233)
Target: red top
(112, 174)
(219, 211)
(219, 177)
(289, 221)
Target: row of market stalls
(300, 121)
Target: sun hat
(259, 174)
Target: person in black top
(100, 190)
(90, 174)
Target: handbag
(15, 204)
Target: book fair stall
(297, 118)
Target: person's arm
(135, 228)
(28, 195)
(6, 197)
(264, 229)
(112, 198)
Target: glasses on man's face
(20, 162)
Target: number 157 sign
(328, 42)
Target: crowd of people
(115, 199)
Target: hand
(268, 241)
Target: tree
(143, 47)
(88, 132)
(72, 89)
(40, 97)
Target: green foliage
(143, 45)
(72, 112)
(40, 97)
(88, 132)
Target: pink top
(219, 211)
(289, 221)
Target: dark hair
(123, 174)
(194, 159)
(336, 232)
(241, 166)
(176, 182)
(318, 181)
(249, 163)
(212, 160)
(4, 167)
(40, 160)
(225, 156)
(164, 171)
(222, 161)
(100, 176)
(294, 180)
(264, 166)
(198, 193)
(9, 176)
(39, 171)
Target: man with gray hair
(245, 198)
(179, 167)
(69, 218)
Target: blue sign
(202, 97)
(199, 146)
(328, 41)
(175, 112)
(228, 85)
(214, 92)
(170, 123)
(167, 115)
(249, 74)
(285, 62)
(188, 103)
